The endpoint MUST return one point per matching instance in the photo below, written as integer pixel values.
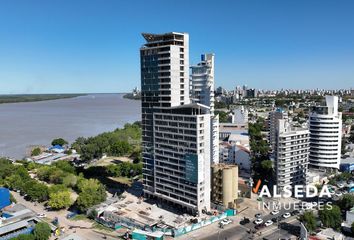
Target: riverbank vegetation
(120, 142)
(62, 185)
(132, 96)
(34, 97)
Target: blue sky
(93, 45)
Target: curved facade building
(326, 135)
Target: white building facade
(202, 91)
(240, 115)
(273, 118)
(291, 155)
(182, 156)
(326, 135)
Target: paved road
(232, 232)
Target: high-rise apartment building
(202, 81)
(273, 118)
(182, 156)
(202, 91)
(164, 60)
(176, 131)
(326, 135)
(291, 154)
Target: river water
(37, 123)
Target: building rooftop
(152, 37)
(349, 160)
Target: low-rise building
(329, 233)
(240, 116)
(224, 190)
(347, 164)
(228, 129)
(16, 219)
(232, 153)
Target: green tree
(70, 180)
(57, 176)
(6, 168)
(60, 200)
(309, 220)
(351, 137)
(120, 148)
(24, 237)
(31, 166)
(58, 188)
(36, 191)
(331, 217)
(36, 151)
(44, 172)
(347, 202)
(51, 174)
(92, 192)
(113, 170)
(69, 152)
(14, 181)
(65, 166)
(59, 141)
(223, 116)
(267, 165)
(220, 105)
(92, 214)
(42, 231)
(119, 142)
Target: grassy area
(80, 217)
(34, 97)
(100, 227)
(122, 180)
(111, 160)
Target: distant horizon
(53, 93)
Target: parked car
(258, 221)
(260, 226)
(41, 215)
(275, 212)
(71, 215)
(225, 221)
(295, 212)
(245, 221)
(286, 215)
(258, 215)
(268, 223)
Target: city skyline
(52, 47)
